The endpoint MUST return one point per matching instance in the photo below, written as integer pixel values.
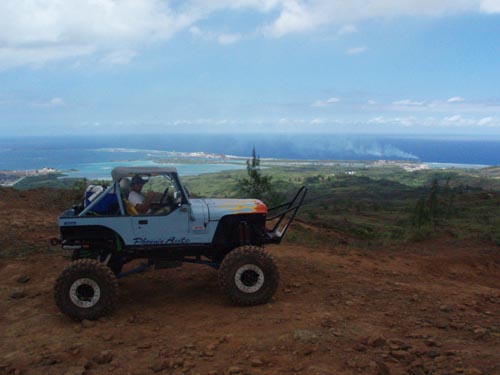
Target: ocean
(94, 156)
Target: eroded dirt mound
(29, 218)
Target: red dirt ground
(430, 308)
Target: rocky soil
(428, 308)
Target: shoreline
(64, 153)
(11, 178)
(222, 163)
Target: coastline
(63, 153)
(11, 178)
(191, 164)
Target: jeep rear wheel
(86, 289)
(249, 276)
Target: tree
(257, 185)
(435, 206)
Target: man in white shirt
(135, 197)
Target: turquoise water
(102, 171)
(94, 157)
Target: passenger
(141, 203)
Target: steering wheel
(164, 197)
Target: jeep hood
(217, 208)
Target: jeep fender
(92, 237)
(239, 230)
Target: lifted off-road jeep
(106, 232)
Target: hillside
(364, 290)
(377, 207)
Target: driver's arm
(144, 207)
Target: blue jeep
(107, 231)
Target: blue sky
(154, 66)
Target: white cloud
(119, 57)
(56, 102)
(294, 17)
(356, 50)
(317, 121)
(34, 32)
(196, 32)
(39, 55)
(228, 38)
(460, 121)
(453, 104)
(406, 122)
(51, 103)
(325, 103)
(408, 103)
(487, 121)
(347, 29)
(203, 121)
(378, 120)
(453, 121)
(455, 99)
(221, 38)
(299, 16)
(490, 6)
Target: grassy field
(51, 180)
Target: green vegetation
(358, 203)
(374, 207)
(257, 184)
(56, 181)
(52, 180)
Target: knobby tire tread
(234, 260)
(107, 282)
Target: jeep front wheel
(86, 289)
(249, 276)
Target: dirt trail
(336, 312)
(432, 308)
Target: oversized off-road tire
(115, 263)
(86, 289)
(249, 276)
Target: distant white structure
(407, 166)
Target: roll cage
(105, 203)
(283, 217)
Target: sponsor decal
(69, 223)
(169, 241)
(244, 206)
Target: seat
(130, 208)
(125, 191)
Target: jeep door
(167, 221)
(167, 229)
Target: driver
(141, 203)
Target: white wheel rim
(75, 293)
(242, 284)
